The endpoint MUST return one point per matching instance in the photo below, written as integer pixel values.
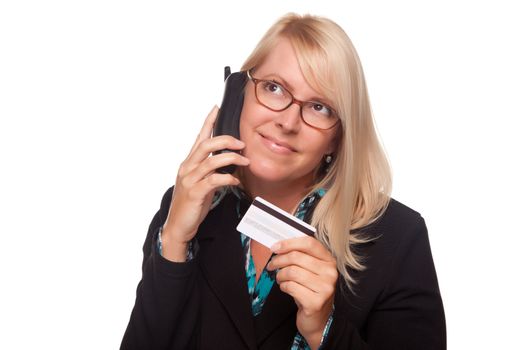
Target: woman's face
(281, 147)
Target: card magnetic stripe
(282, 217)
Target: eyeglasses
(277, 98)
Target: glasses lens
(273, 95)
(319, 115)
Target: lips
(277, 145)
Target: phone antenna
(227, 72)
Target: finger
(211, 164)
(307, 244)
(213, 144)
(306, 261)
(207, 127)
(206, 147)
(321, 284)
(202, 188)
(301, 276)
(304, 297)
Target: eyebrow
(283, 82)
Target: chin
(268, 171)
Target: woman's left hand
(308, 273)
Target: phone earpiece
(227, 122)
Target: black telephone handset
(227, 122)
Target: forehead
(282, 62)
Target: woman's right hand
(195, 186)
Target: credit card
(268, 224)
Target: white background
(101, 100)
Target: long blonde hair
(358, 182)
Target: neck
(285, 195)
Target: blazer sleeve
(166, 305)
(408, 313)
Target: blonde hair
(358, 182)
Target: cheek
(330, 141)
(252, 116)
(320, 144)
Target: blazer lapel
(278, 307)
(220, 255)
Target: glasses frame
(294, 100)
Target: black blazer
(204, 303)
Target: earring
(327, 161)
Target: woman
(366, 281)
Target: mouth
(277, 145)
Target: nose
(289, 120)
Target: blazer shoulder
(398, 249)
(400, 212)
(397, 232)
(396, 220)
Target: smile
(276, 146)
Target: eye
(273, 88)
(321, 109)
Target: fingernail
(275, 247)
